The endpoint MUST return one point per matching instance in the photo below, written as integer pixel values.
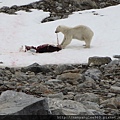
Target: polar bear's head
(61, 28)
(58, 29)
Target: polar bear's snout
(56, 31)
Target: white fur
(79, 32)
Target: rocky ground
(95, 86)
(60, 9)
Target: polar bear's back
(82, 31)
(82, 28)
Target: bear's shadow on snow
(75, 47)
(79, 47)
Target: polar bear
(79, 32)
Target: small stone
(57, 95)
(94, 73)
(111, 95)
(69, 77)
(69, 96)
(87, 84)
(115, 89)
(61, 68)
(117, 84)
(87, 97)
(117, 56)
(112, 103)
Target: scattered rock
(68, 84)
(87, 97)
(99, 60)
(117, 56)
(115, 89)
(57, 96)
(87, 84)
(36, 68)
(69, 77)
(59, 9)
(94, 73)
(67, 107)
(61, 68)
(112, 103)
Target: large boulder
(18, 103)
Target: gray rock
(10, 85)
(36, 68)
(1, 72)
(69, 96)
(14, 7)
(87, 84)
(117, 84)
(11, 11)
(102, 4)
(113, 64)
(69, 77)
(112, 103)
(99, 60)
(8, 74)
(1, 81)
(55, 81)
(115, 89)
(117, 56)
(118, 1)
(4, 9)
(61, 68)
(112, 70)
(19, 103)
(87, 97)
(111, 95)
(93, 73)
(93, 107)
(67, 107)
(57, 96)
(41, 89)
(20, 76)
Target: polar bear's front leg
(87, 43)
(66, 41)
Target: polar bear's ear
(59, 26)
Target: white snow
(26, 28)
